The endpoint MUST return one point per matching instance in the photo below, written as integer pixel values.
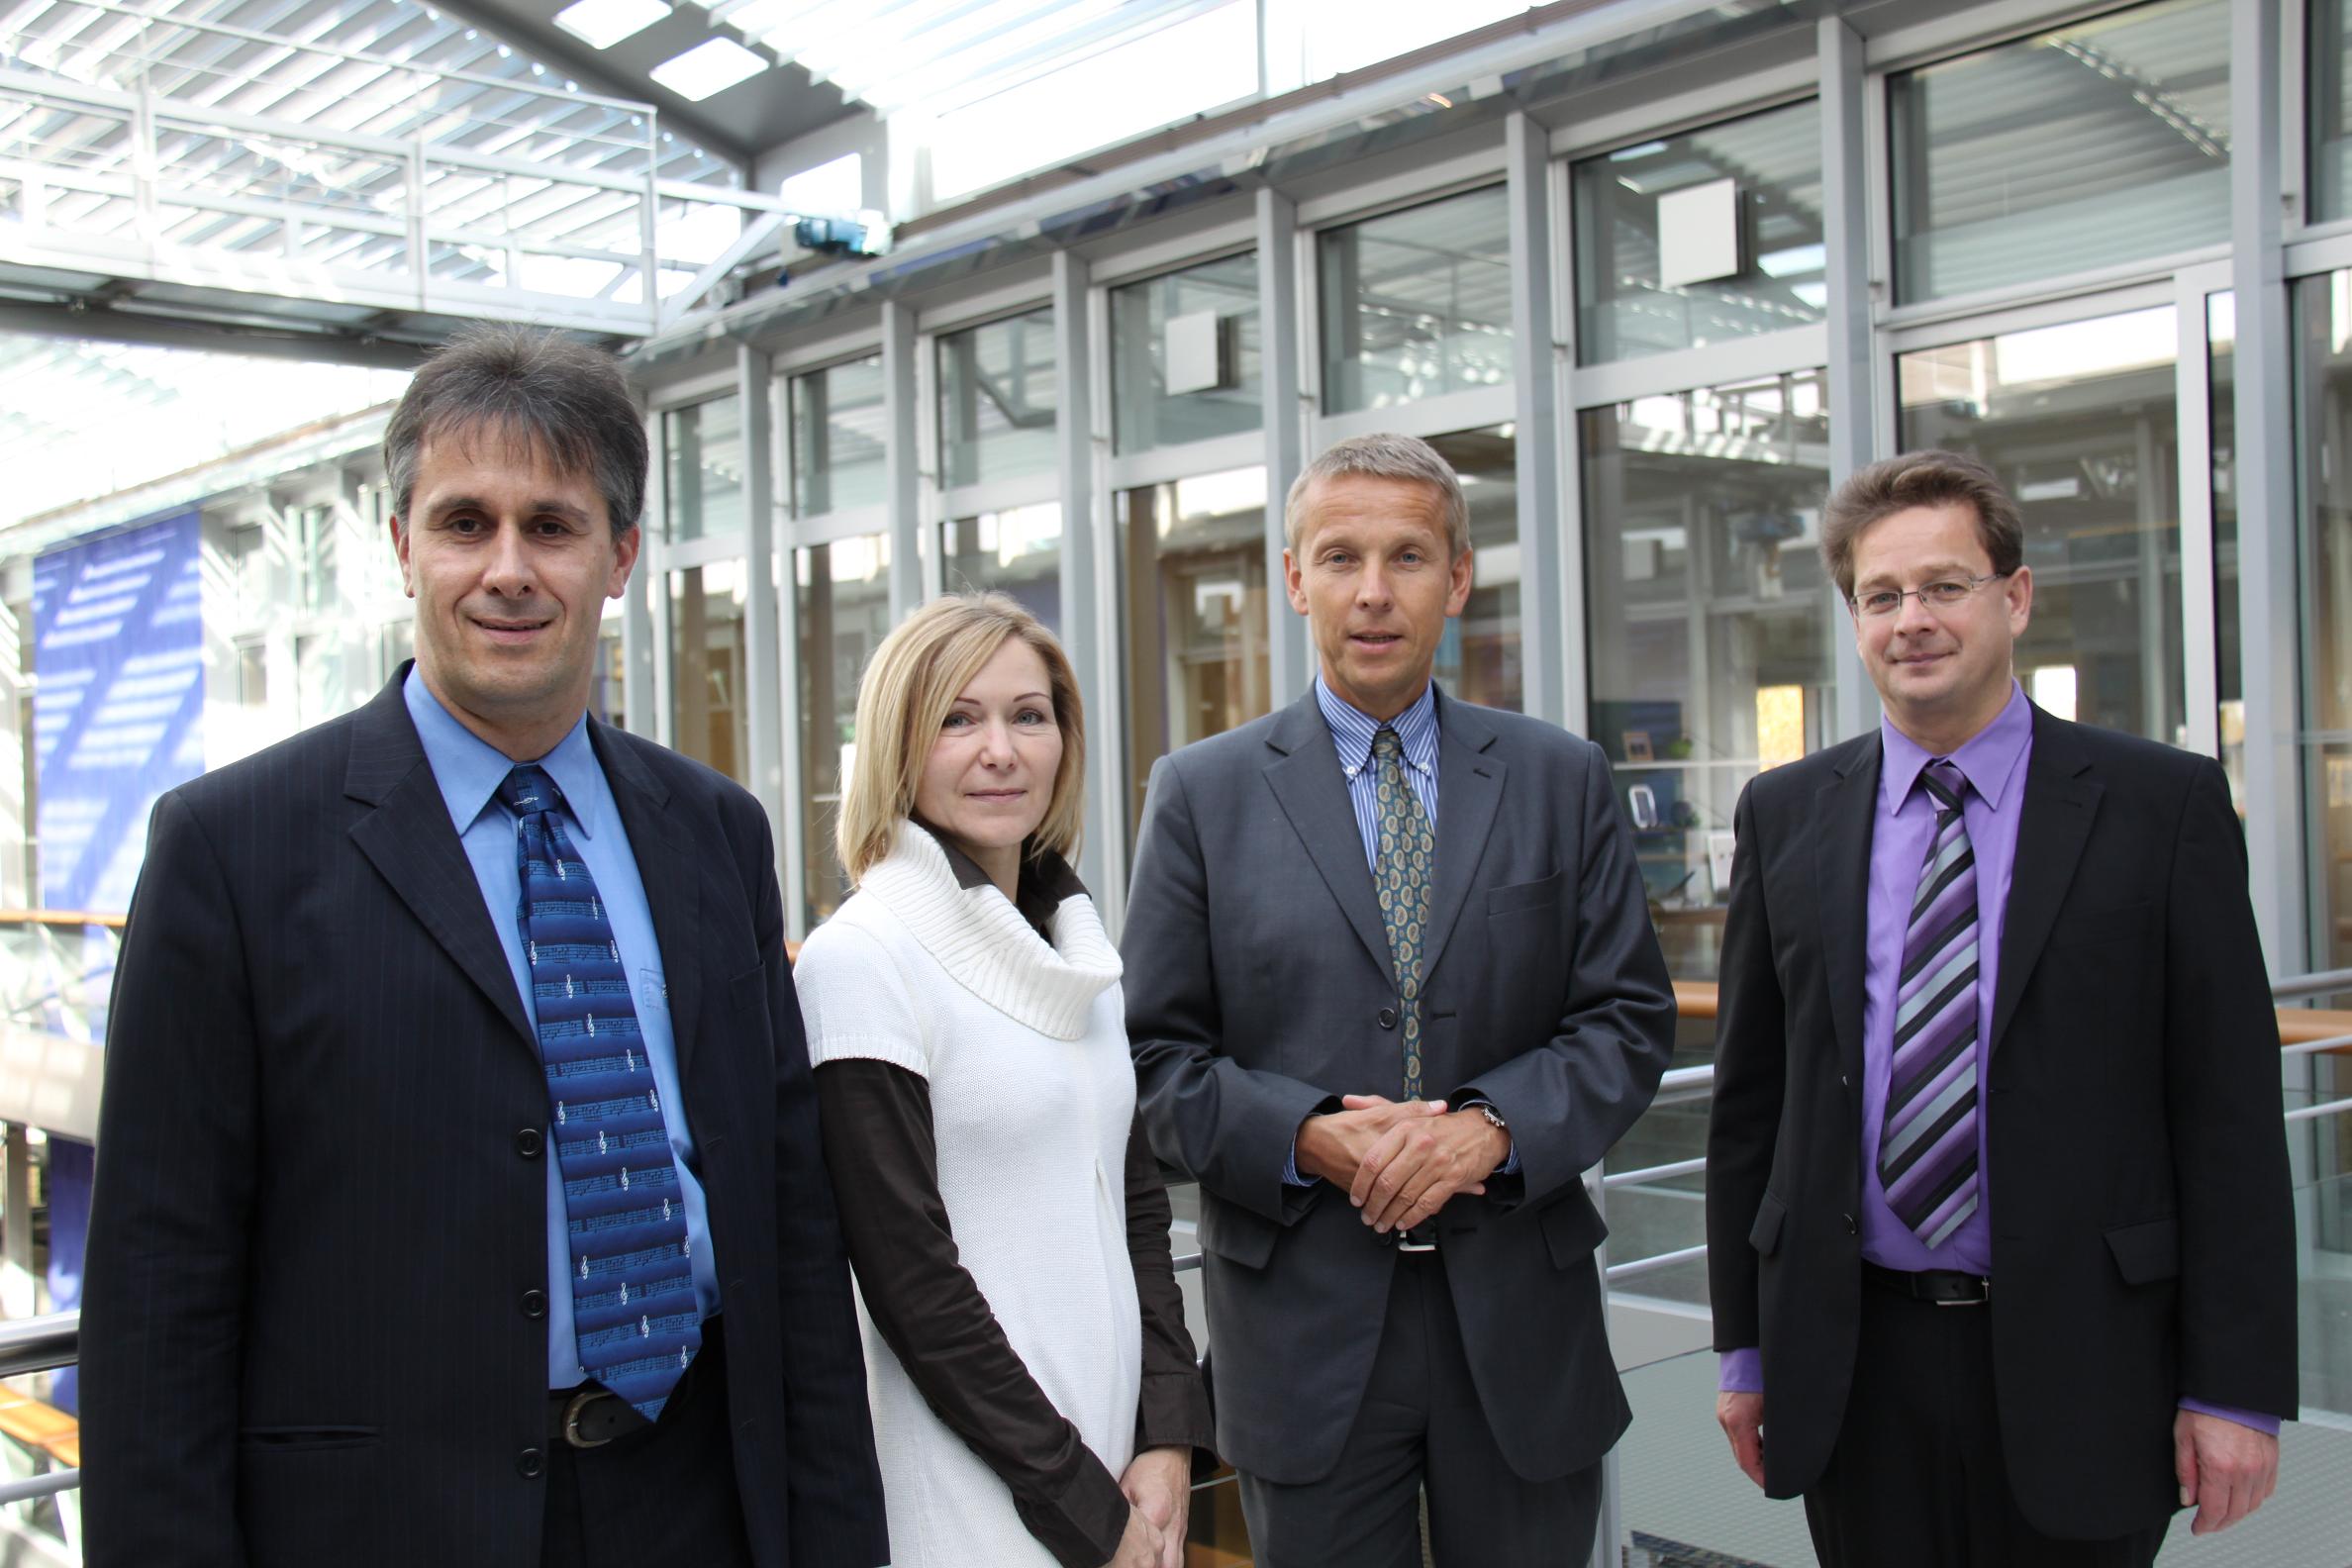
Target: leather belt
(1943, 1287)
(590, 1416)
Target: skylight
(601, 24)
(710, 66)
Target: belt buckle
(1984, 1300)
(576, 1407)
(1405, 1243)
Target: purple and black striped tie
(1927, 1149)
(631, 1279)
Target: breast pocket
(1541, 894)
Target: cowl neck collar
(989, 946)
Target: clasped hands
(1401, 1162)
(1158, 1489)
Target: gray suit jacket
(1259, 989)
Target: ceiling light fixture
(710, 66)
(601, 24)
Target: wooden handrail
(42, 917)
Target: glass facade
(999, 389)
(2323, 352)
(1192, 571)
(1691, 240)
(836, 438)
(1184, 355)
(2329, 146)
(1709, 629)
(704, 451)
(842, 596)
(2081, 422)
(1018, 550)
(1417, 303)
(1479, 659)
(708, 719)
(2139, 99)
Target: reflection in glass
(319, 685)
(1197, 617)
(997, 392)
(836, 438)
(1774, 160)
(1711, 630)
(2079, 423)
(2329, 116)
(1417, 303)
(1478, 660)
(2221, 404)
(1018, 550)
(2140, 99)
(1202, 324)
(608, 686)
(704, 446)
(313, 559)
(843, 600)
(709, 721)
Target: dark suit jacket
(1259, 988)
(321, 1199)
(2135, 1160)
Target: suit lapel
(408, 839)
(670, 868)
(1469, 789)
(1845, 812)
(2059, 807)
(1306, 779)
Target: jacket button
(1844, 1082)
(534, 1304)
(528, 1143)
(1388, 1018)
(1849, 1222)
(528, 1463)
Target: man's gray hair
(538, 390)
(1383, 457)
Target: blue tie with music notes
(632, 1280)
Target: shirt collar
(469, 769)
(1352, 729)
(1988, 759)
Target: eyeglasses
(1947, 593)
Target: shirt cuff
(1290, 1170)
(1741, 1371)
(1510, 1165)
(2268, 1425)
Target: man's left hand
(1159, 1481)
(1419, 1165)
(2226, 1470)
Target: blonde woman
(1035, 1398)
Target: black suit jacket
(2135, 1159)
(1259, 989)
(321, 1202)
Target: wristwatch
(1492, 1116)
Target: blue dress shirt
(468, 770)
(1352, 732)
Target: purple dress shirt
(1994, 762)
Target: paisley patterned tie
(1407, 859)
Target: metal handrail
(39, 1344)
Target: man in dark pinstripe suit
(363, 1248)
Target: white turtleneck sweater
(1023, 1046)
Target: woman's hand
(1158, 1482)
(1140, 1545)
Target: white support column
(20, 1285)
(642, 663)
(1535, 369)
(1576, 670)
(1081, 600)
(1845, 231)
(901, 494)
(763, 666)
(1286, 414)
(2267, 512)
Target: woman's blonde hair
(911, 683)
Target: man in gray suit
(1391, 988)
